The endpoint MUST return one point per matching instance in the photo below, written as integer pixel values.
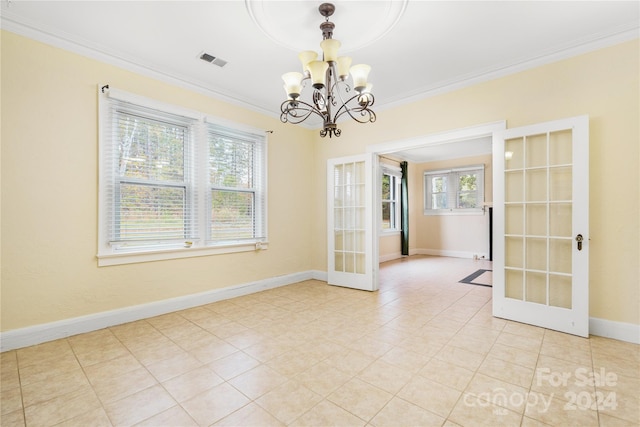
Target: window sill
(386, 232)
(454, 212)
(105, 260)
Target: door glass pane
(360, 263)
(349, 263)
(348, 174)
(536, 254)
(513, 187)
(536, 151)
(560, 291)
(560, 186)
(358, 192)
(339, 261)
(338, 222)
(358, 169)
(537, 219)
(536, 185)
(536, 287)
(513, 219)
(359, 222)
(338, 237)
(560, 252)
(348, 199)
(560, 220)
(513, 284)
(560, 147)
(338, 196)
(513, 252)
(359, 241)
(347, 218)
(513, 154)
(349, 241)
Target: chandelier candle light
(329, 80)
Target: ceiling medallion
(361, 22)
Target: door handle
(579, 239)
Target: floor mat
(480, 277)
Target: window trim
(397, 173)
(453, 190)
(108, 254)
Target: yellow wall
(49, 193)
(49, 178)
(603, 84)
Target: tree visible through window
(151, 184)
(467, 191)
(233, 188)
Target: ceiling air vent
(212, 59)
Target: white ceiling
(447, 150)
(416, 48)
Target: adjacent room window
(454, 191)
(390, 198)
(176, 183)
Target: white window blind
(151, 178)
(174, 180)
(237, 182)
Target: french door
(541, 228)
(350, 223)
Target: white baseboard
(390, 257)
(38, 334)
(433, 252)
(448, 253)
(616, 330)
(319, 275)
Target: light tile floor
(422, 351)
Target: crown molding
(18, 25)
(12, 23)
(600, 41)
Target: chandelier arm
(361, 112)
(335, 88)
(319, 100)
(296, 112)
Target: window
(235, 186)
(174, 183)
(454, 191)
(390, 198)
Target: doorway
(432, 151)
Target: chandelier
(330, 87)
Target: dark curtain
(404, 209)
